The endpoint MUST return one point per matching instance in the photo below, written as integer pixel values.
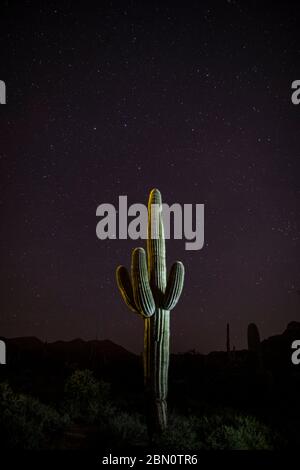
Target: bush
(227, 430)
(25, 423)
(241, 433)
(126, 429)
(86, 399)
(181, 434)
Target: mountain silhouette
(276, 350)
(75, 351)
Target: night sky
(105, 101)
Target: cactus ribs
(148, 293)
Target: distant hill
(76, 351)
(276, 351)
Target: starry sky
(105, 101)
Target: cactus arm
(125, 288)
(142, 293)
(174, 286)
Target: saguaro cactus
(148, 292)
(253, 338)
(254, 345)
(228, 339)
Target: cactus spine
(150, 294)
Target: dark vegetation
(89, 395)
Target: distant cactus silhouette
(148, 293)
(233, 354)
(228, 339)
(253, 338)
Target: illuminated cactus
(148, 293)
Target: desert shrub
(126, 429)
(86, 399)
(225, 430)
(181, 434)
(25, 423)
(241, 433)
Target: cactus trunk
(156, 366)
(149, 293)
(157, 328)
